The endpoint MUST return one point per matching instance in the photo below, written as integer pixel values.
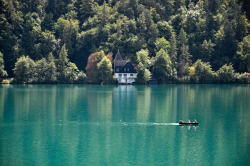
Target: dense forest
(58, 41)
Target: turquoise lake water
(124, 125)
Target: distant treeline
(178, 41)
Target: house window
(117, 69)
(128, 69)
(132, 75)
(125, 75)
(120, 75)
(125, 69)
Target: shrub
(201, 72)
(226, 74)
(81, 78)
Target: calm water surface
(124, 125)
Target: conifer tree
(184, 60)
(182, 37)
(62, 60)
(173, 49)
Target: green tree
(31, 36)
(207, 50)
(50, 58)
(41, 70)
(67, 71)
(62, 63)
(51, 74)
(226, 73)
(71, 73)
(62, 60)
(67, 30)
(48, 43)
(48, 22)
(143, 57)
(143, 74)
(162, 68)
(203, 72)
(165, 29)
(24, 70)
(184, 60)
(46, 71)
(57, 7)
(182, 37)
(243, 54)
(103, 73)
(87, 9)
(173, 49)
(162, 43)
(81, 78)
(212, 5)
(3, 73)
(178, 4)
(8, 38)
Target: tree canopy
(186, 30)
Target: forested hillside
(214, 32)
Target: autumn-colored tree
(110, 57)
(91, 66)
(93, 60)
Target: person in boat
(195, 121)
(181, 121)
(188, 121)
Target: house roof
(123, 66)
(120, 63)
(118, 57)
(127, 68)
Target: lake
(124, 125)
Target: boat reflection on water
(189, 127)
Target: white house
(124, 70)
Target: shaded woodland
(54, 41)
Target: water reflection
(110, 125)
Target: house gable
(127, 68)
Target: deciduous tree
(226, 73)
(24, 70)
(3, 73)
(143, 57)
(143, 74)
(162, 68)
(103, 73)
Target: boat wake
(121, 124)
(149, 124)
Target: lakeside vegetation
(178, 41)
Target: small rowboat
(186, 123)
